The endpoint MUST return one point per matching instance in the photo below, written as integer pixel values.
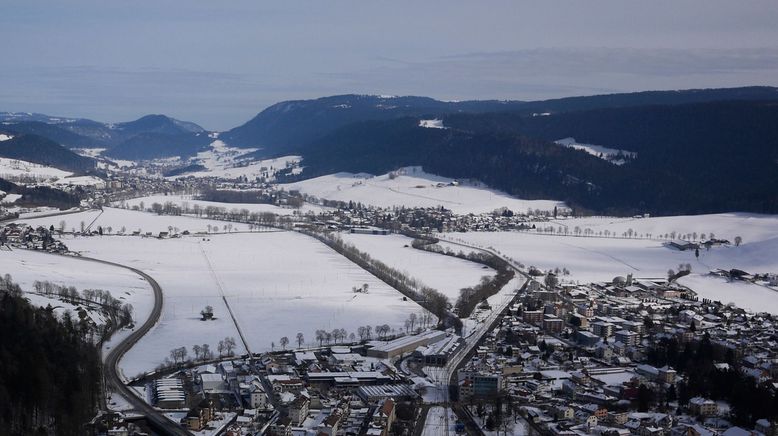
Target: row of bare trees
(429, 298)
(180, 355)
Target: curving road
(112, 374)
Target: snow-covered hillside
(224, 161)
(612, 155)
(432, 124)
(412, 187)
(596, 258)
(15, 168)
(26, 267)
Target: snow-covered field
(592, 259)
(81, 181)
(131, 221)
(9, 198)
(447, 274)
(750, 226)
(182, 200)
(278, 284)
(612, 155)
(412, 187)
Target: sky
(219, 63)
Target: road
(112, 374)
(446, 375)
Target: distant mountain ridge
(287, 125)
(148, 137)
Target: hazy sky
(218, 63)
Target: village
(562, 360)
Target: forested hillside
(694, 158)
(50, 375)
(40, 150)
(41, 195)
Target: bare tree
(300, 340)
(229, 344)
(284, 342)
(738, 241)
(197, 350)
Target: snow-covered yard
(412, 187)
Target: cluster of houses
(574, 360)
(15, 235)
(337, 390)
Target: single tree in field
(229, 344)
(83, 226)
(284, 342)
(206, 351)
(738, 241)
(62, 225)
(207, 313)
(300, 340)
(197, 350)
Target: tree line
(469, 297)
(117, 314)
(427, 297)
